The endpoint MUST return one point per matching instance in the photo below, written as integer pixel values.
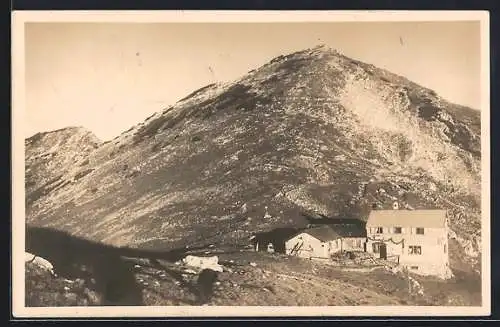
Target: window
(397, 230)
(414, 267)
(420, 230)
(415, 249)
(445, 248)
(379, 230)
(376, 247)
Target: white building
(323, 241)
(417, 239)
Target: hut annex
(416, 239)
(323, 241)
(273, 240)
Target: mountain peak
(65, 130)
(325, 48)
(311, 130)
(309, 134)
(63, 133)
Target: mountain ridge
(312, 130)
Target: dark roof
(333, 232)
(346, 221)
(277, 234)
(317, 219)
(350, 230)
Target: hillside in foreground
(248, 278)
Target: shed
(273, 239)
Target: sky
(108, 77)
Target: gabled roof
(349, 230)
(407, 218)
(326, 233)
(322, 233)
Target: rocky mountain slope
(312, 130)
(51, 155)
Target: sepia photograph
(250, 164)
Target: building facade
(416, 239)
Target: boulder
(39, 261)
(211, 262)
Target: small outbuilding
(273, 240)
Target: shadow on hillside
(113, 275)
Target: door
(270, 248)
(383, 251)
